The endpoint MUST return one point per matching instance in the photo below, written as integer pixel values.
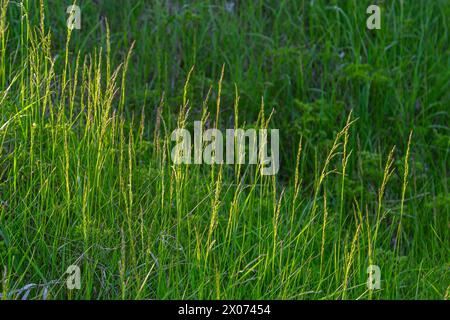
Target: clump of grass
(86, 180)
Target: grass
(85, 170)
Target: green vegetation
(85, 171)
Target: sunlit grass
(86, 176)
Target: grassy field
(86, 176)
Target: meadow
(87, 179)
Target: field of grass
(86, 176)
